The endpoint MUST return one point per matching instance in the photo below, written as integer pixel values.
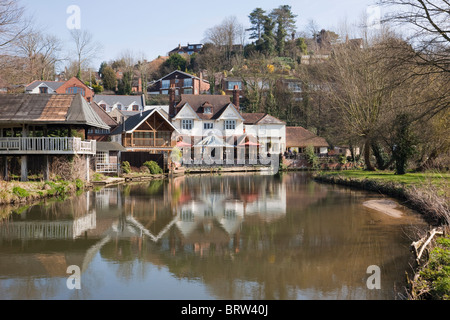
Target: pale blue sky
(156, 27)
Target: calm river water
(253, 237)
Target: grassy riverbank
(429, 194)
(16, 192)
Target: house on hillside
(39, 127)
(189, 49)
(184, 83)
(38, 86)
(71, 86)
(120, 102)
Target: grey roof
(180, 72)
(81, 112)
(51, 84)
(132, 122)
(112, 99)
(17, 109)
(109, 146)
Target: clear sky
(156, 27)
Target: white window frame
(208, 125)
(230, 124)
(187, 124)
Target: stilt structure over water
(43, 126)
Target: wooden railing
(46, 145)
(148, 142)
(107, 167)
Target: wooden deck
(46, 146)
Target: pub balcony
(46, 146)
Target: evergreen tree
(285, 22)
(109, 78)
(257, 19)
(267, 45)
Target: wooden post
(24, 168)
(87, 168)
(5, 173)
(24, 159)
(46, 168)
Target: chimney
(236, 96)
(172, 100)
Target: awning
(106, 146)
(213, 141)
(249, 143)
(182, 144)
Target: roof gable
(186, 112)
(134, 122)
(219, 104)
(229, 112)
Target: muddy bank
(433, 207)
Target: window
(165, 92)
(103, 106)
(199, 46)
(208, 125)
(75, 90)
(231, 85)
(187, 83)
(207, 110)
(135, 107)
(190, 47)
(230, 124)
(187, 91)
(119, 106)
(165, 84)
(43, 90)
(187, 124)
(190, 52)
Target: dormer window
(43, 90)
(207, 110)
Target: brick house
(184, 83)
(75, 85)
(71, 86)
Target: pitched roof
(182, 73)
(48, 108)
(109, 146)
(260, 118)
(112, 99)
(51, 84)
(300, 137)
(104, 115)
(134, 121)
(218, 103)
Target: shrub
(153, 167)
(20, 192)
(126, 168)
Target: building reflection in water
(245, 236)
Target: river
(212, 237)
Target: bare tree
(43, 53)
(86, 49)
(225, 35)
(429, 22)
(13, 23)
